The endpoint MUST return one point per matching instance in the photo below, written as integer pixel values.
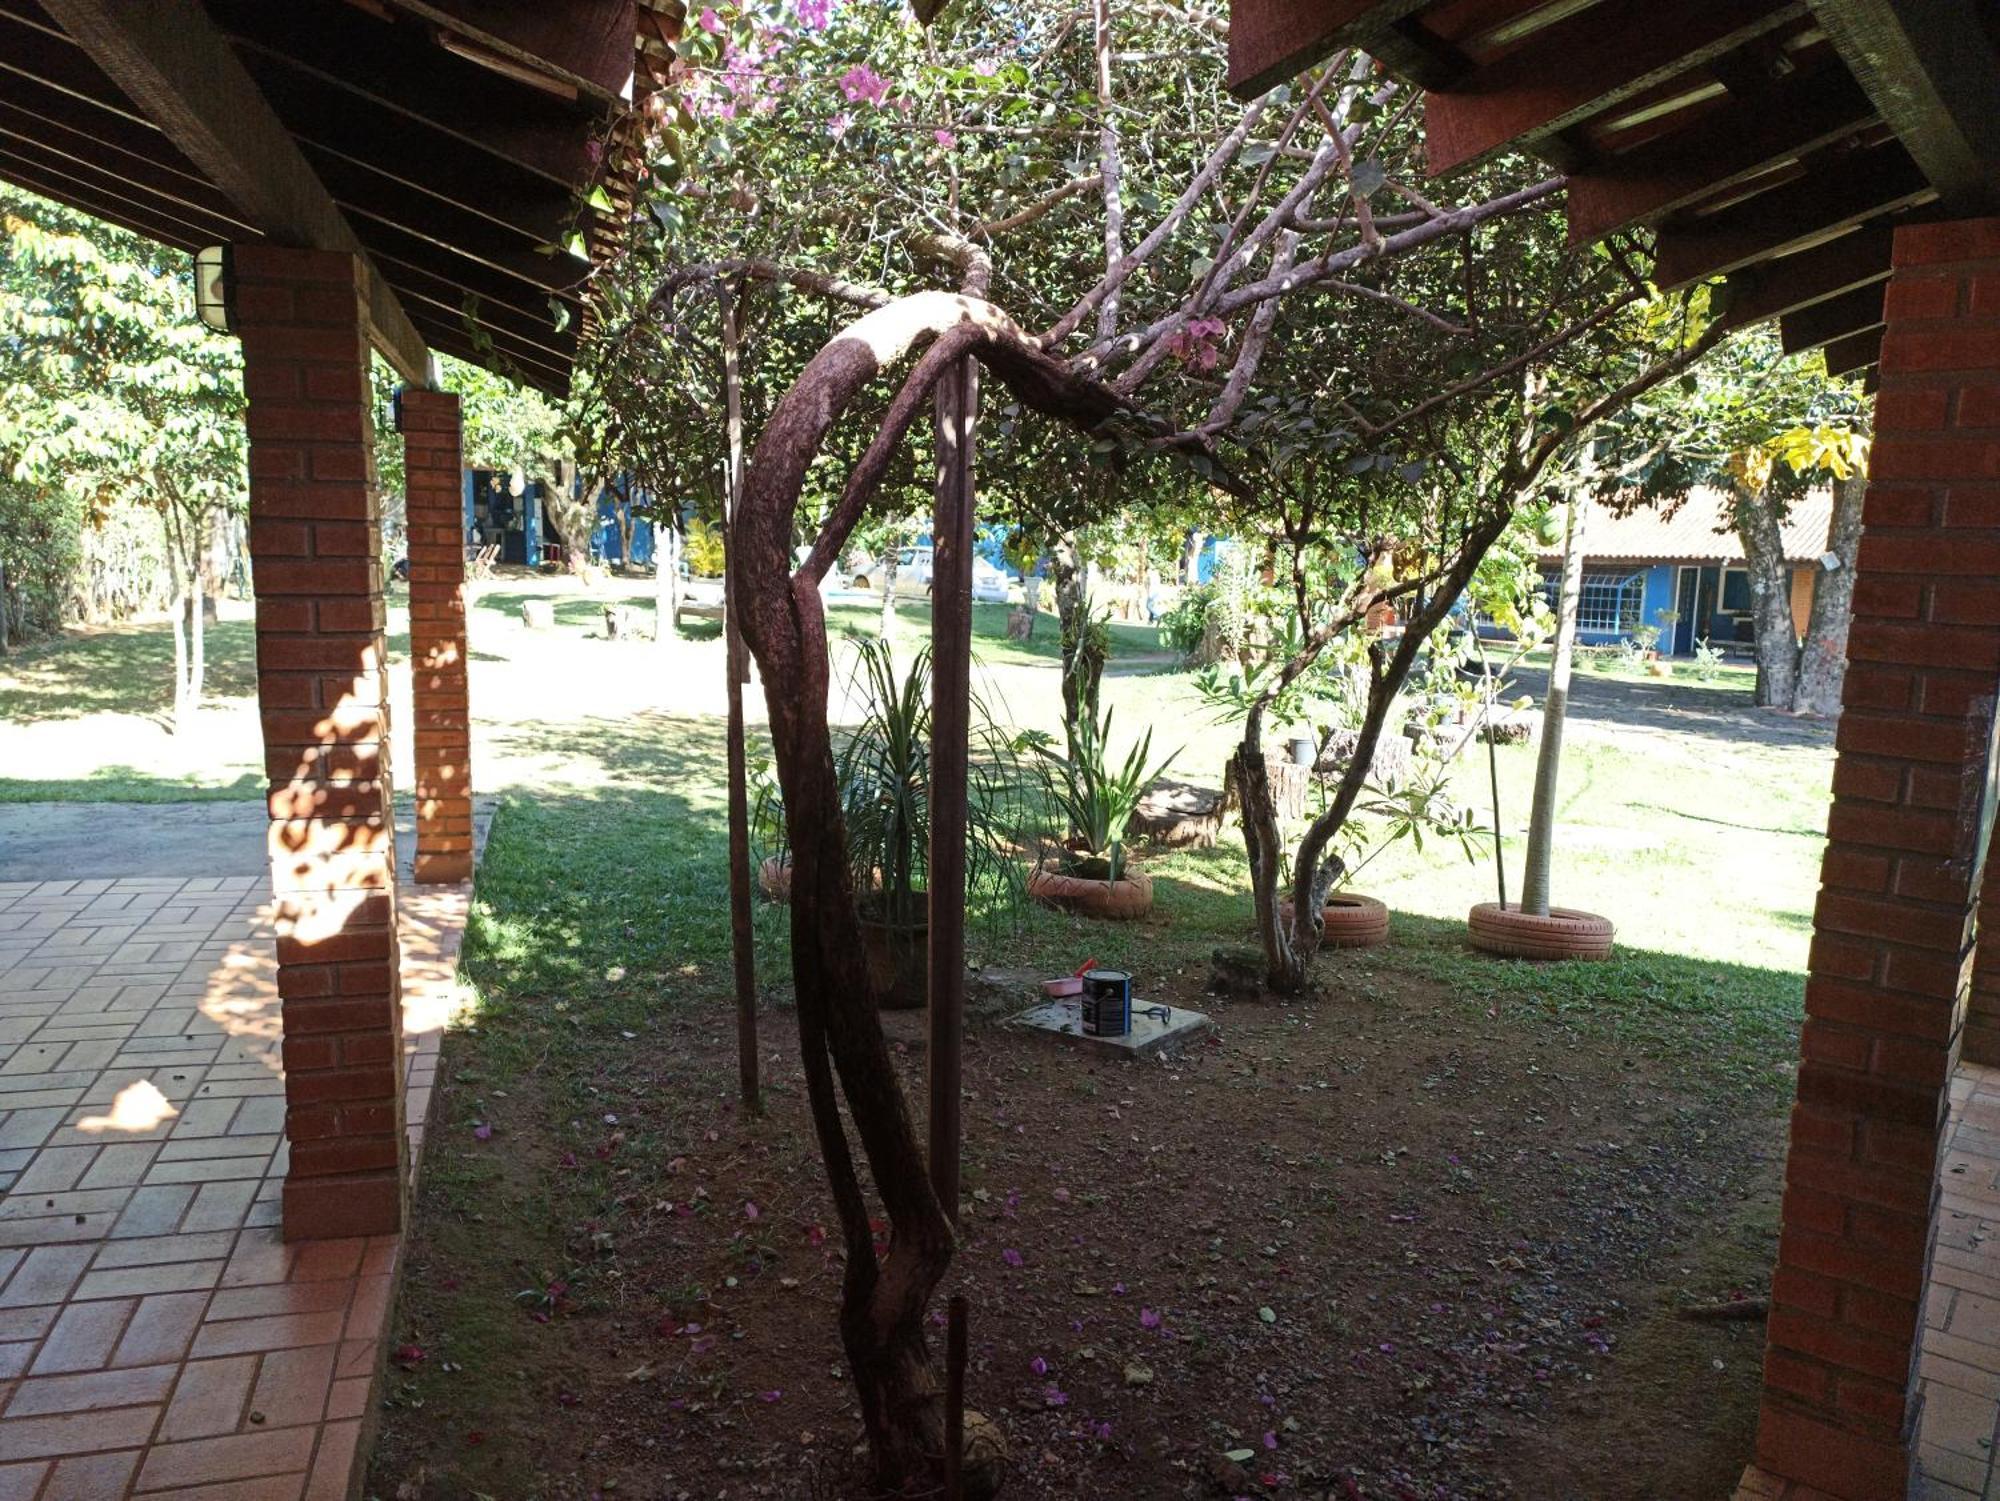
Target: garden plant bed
(1461, 1212)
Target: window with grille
(1609, 601)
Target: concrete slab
(1150, 1034)
(128, 841)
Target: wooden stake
(951, 690)
(736, 668)
(954, 1398)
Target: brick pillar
(430, 425)
(1893, 931)
(322, 690)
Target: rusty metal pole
(957, 403)
(737, 669)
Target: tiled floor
(157, 1339)
(1960, 1362)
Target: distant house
(1689, 561)
(510, 512)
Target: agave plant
(1095, 797)
(884, 770)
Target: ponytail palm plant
(1094, 795)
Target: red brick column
(322, 688)
(430, 425)
(1893, 932)
(1982, 1018)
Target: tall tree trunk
(1759, 524)
(667, 579)
(1555, 708)
(197, 666)
(4, 626)
(621, 515)
(890, 560)
(736, 671)
(180, 617)
(1191, 558)
(1823, 658)
(1082, 648)
(575, 515)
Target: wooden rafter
(1838, 191)
(1835, 318)
(1580, 65)
(1855, 352)
(1932, 70)
(1778, 286)
(171, 62)
(1731, 145)
(1271, 41)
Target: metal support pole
(957, 403)
(736, 668)
(954, 1397)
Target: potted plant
(884, 773)
(1095, 799)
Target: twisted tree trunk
(1082, 651)
(843, 1050)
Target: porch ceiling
(456, 139)
(1771, 141)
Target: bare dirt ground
(1394, 1245)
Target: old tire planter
(1564, 934)
(774, 878)
(1349, 920)
(1131, 895)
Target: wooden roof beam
(1932, 71)
(1836, 318)
(1855, 352)
(1273, 41)
(1839, 191)
(1795, 281)
(1754, 133)
(176, 67)
(1583, 64)
(587, 43)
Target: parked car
(913, 576)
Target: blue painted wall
(605, 543)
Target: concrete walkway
(157, 1338)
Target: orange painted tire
(1349, 920)
(1564, 934)
(1131, 895)
(774, 876)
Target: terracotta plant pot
(1131, 895)
(774, 878)
(1349, 920)
(1563, 934)
(898, 956)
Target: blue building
(1685, 562)
(511, 514)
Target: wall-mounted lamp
(214, 288)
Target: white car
(913, 576)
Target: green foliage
(39, 554)
(114, 393)
(884, 773)
(1094, 795)
(703, 549)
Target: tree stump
(538, 614)
(1020, 625)
(1177, 815)
(1290, 782)
(621, 622)
(1391, 765)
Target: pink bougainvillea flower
(862, 82)
(1117, 1289)
(770, 1396)
(1270, 1440)
(482, 1132)
(986, 67)
(710, 21)
(410, 1355)
(1054, 1396)
(945, 139)
(815, 14)
(751, 1211)
(1039, 1366)
(1011, 1256)
(839, 125)
(815, 1235)
(1148, 1319)
(1101, 1432)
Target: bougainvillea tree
(1135, 258)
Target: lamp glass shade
(211, 287)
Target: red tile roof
(1695, 531)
